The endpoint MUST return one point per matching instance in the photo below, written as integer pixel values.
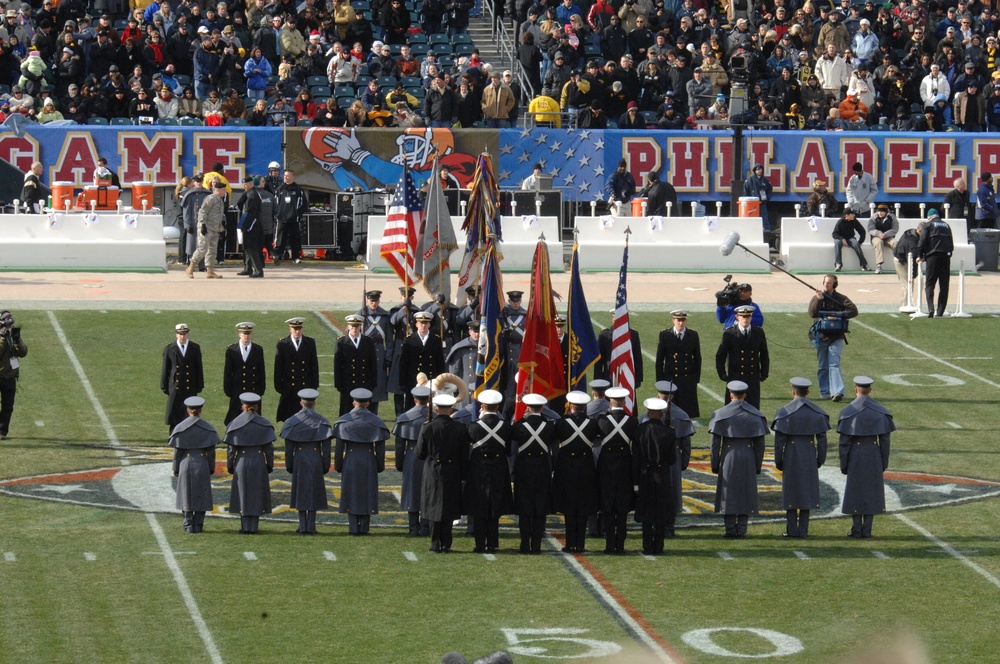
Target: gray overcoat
(738, 431)
(864, 427)
(194, 442)
(359, 457)
(799, 450)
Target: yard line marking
(39, 423)
(801, 555)
(161, 539)
(489, 556)
(329, 556)
(398, 495)
(176, 553)
(250, 555)
(328, 322)
(880, 555)
(646, 353)
(156, 311)
(645, 557)
(10, 557)
(322, 355)
(954, 425)
(725, 555)
(628, 617)
(949, 549)
(209, 311)
(914, 349)
(90, 557)
(893, 315)
(409, 555)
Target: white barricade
(807, 244)
(520, 235)
(83, 240)
(671, 244)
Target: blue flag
(583, 349)
(490, 358)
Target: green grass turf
(372, 604)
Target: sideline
(161, 538)
(629, 618)
(949, 549)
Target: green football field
(95, 566)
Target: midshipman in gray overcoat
(307, 437)
(194, 442)
(864, 427)
(359, 457)
(250, 459)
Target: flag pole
(569, 320)
(406, 272)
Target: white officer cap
(534, 400)
(578, 398)
(655, 404)
(617, 393)
(444, 400)
(489, 397)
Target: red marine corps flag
(540, 368)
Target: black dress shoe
(259, 275)
(730, 535)
(243, 273)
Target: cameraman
(827, 304)
(11, 348)
(732, 296)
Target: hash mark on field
(409, 555)
(645, 557)
(329, 556)
(489, 556)
(801, 555)
(954, 425)
(893, 315)
(949, 549)
(10, 557)
(156, 311)
(725, 555)
(880, 555)
(89, 557)
(39, 423)
(250, 555)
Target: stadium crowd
(671, 64)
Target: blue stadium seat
(463, 38)
(438, 38)
(121, 121)
(442, 49)
(320, 90)
(345, 101)
(97, 120)
(411, 81)
(344, 91)
(191, 122)
(236, 122)
(420, 50)
(167, 122)
(315, 80)
(464, 49)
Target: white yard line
(329, 555)
(409, 555)
(725, 555)
(250, 555)
(801, 555)
(161, 538)
(949, 549)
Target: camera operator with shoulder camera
(831, 310)
(11, 349)
(733, 296)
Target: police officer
(865, 427)
(738, 431)
(799, 451)
(292, 204)
(307, 437)
(296, 367)
(182, 375)
(194, 442)
(355, 364)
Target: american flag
(399, 242)
(622, 364)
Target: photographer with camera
(831, 310)
(733, 296)
(12, 348)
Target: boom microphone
(733, 240)
(729, 243)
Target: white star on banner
(599, 171)
(570, 179)
(504, 175)
(541, 138)
(570, 153)
(525, 133)
(524, 156)
(63, 489)
(555, 147)
(599, 144)
(585, 186)
(585, 160)
(506, 149)
(585, 135)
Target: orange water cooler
(142, 195)
(749, 206)
(637, 205)
(62, 195)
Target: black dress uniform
(678, 359)
(354, 367)
(799, 451)
(743, 356)
(444, 448)
(865, 428)
(295, 368)
(241, 376)
(250, 459)
(194, 442)
(418, 356)
(738, 431)
(604, 346)
(403, 324)
(487, 486)
(534, 438)
(575, 478)
(654, 452)
(182, 377)
(614, 476)
(683, 430)
(377, 328)
(307, 437)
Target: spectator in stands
(166, 104)
(440, 104)
(497, 102)
(290, 39)
(614, 40)
(714, 72)
(396, 21)
(556, 77)
(408, 65)
(343, 66)
(383, 64)
(458, 16)
(266, 38)
(832, 72)
(142, 109)
(233, 107)
(379, 117)
(305, 106)
(631, 119)
(844, 232)
(574, 97)
(970, 108)
(934, 84)
(620, 188)
(281, 114)
(372, 96)
(188, 105)
(49, 112)
(434, 12)
(640, 39)
(257, 117)
(399, 94)
(118, 105)
(356, 114)
(343, 16)
(699, 90)
(330, 116)
(670, 118)
(530, 58)
(853, 111)
(256, 70)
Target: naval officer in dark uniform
(678, 360)
(296, 367)
(487, 486)
(244, 370)
(443, 446)
(307, 437)
(421, 352)
(683, 430)
(654, 452)
(355, 364)
(738, 431)
(865, 427)
(402, 319)
(359, 458)
(574, 482)
(743, 356)
(407, 431)
(194, 442)
(799, 451)
(182, 375)
(534, 439)
(376, 326)
(250, 459)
